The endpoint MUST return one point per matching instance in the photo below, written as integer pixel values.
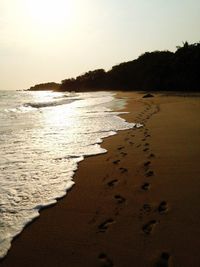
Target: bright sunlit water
(43, 136)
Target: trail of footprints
(150, 209)
(147, 209)
(162, 207)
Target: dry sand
(137, 205)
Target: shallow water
(43, 137)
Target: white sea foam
(41, 145)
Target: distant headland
(152, 71)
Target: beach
(136, 205)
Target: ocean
(43, 137)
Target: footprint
(120, 148)
(164, 260)
(120, 199)
(147, 163)
(149, 173)
(148, 227)
(123, 170)
(112, 182)
(123, 153)
(131, 143)
(146, 149)
(116, 161)
(145, 186)
(139, 145)
(162, 208)
(104, 226)
(146, 144)
(106, 262)
(151, 156)
(146, 208)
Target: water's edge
(5, 244)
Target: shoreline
(135, 205)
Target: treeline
(45, 86)
(153, 71)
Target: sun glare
(51, 13)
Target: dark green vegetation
(45, 86)
(155, 71)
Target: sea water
(43, 137)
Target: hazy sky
(50, 40)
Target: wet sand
(136, 205)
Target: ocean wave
(31, 106)
(54, 103)
(20, 109)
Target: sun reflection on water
(57, 123)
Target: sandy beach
(136, 205)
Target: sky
(51, 40)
